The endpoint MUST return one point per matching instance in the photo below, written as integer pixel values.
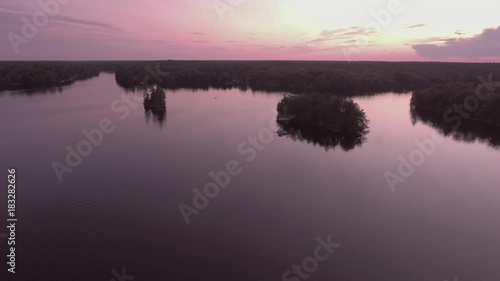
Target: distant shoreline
(334, 77)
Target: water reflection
(159, 118)
(325, 120)
(469, 131)
(63, 86)
(337, 193)
(44, 91)
(155, 106)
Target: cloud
(416, 25)
(13, 17)
(140, 40)
(430, 40)
(198, 33)
(66, 19)
(349, 34)
(484, 45)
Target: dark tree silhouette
(480, 104)
(341, 78)
(323, 119)
(468, 131)
(154, 103)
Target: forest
(456, 103)
(436, 86)
(341, 78)
(323, 119)
(46, 74)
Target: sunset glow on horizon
(381, 30)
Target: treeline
(456, 103)
(345, 78)
(43, 75)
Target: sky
(377, 30)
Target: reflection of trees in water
(155, 106)
(323, 119)
(469, 131)
(40, 91)
(158, 117)
(323, 138)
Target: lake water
(119, 208)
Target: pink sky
(392, 30)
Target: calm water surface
(119, 207)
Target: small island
(324, 119)
(154, 102)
